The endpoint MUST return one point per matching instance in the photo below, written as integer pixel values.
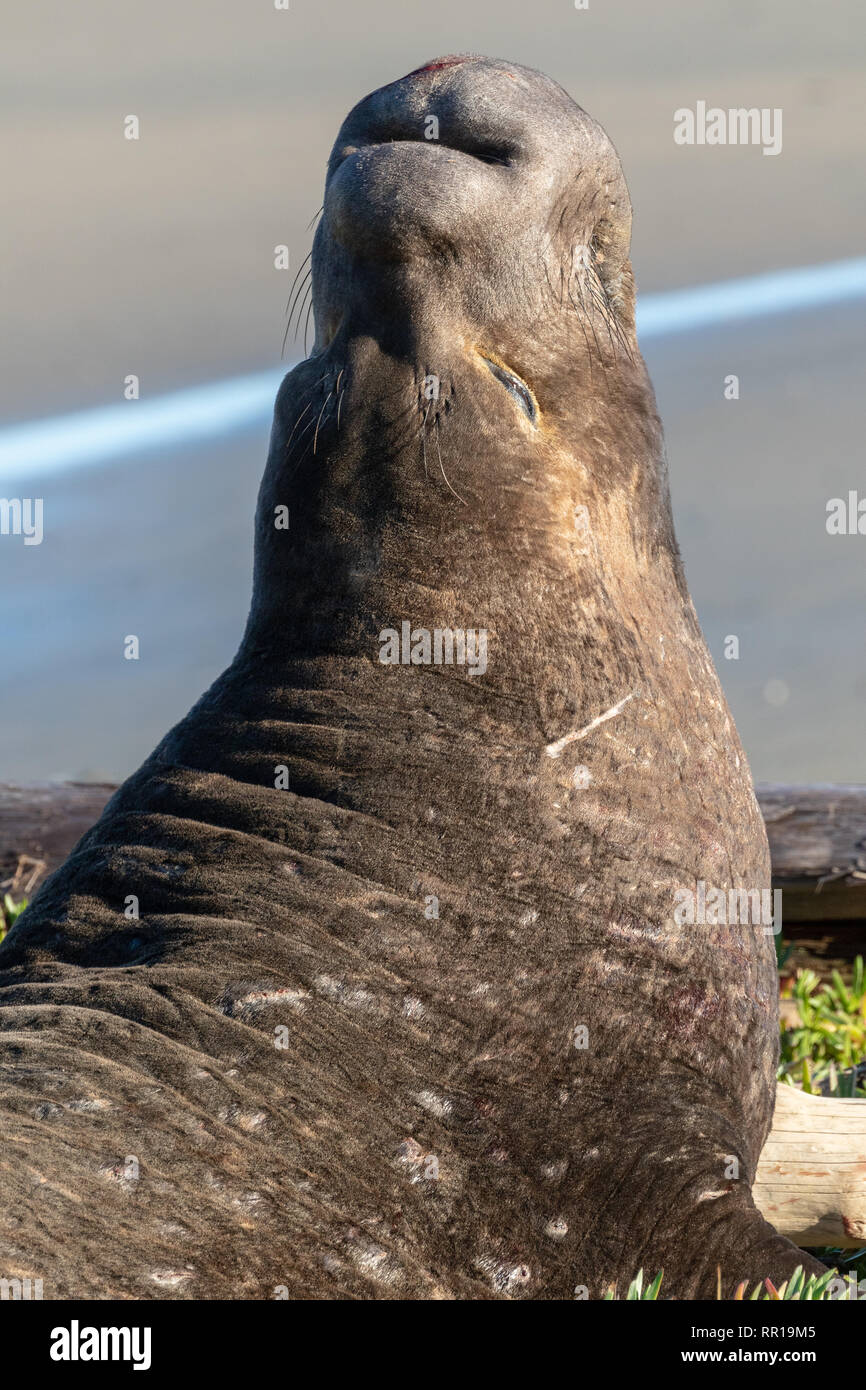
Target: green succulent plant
(798, 1289)
(823, 1052)
(9, 913)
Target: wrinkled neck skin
(420, 491)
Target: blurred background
(156, 257)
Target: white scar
(554, 749)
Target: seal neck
(411, 488)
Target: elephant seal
(373, 982)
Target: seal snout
(488, 184)
(426, 161)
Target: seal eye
(516, 388)
(488, 154)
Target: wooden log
(811, 1181)
(39, 825)
(817, 840)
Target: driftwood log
(39, 824)
(811, 1182)
(817, 841)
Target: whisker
(295, 425)
(322, 378)
(300, 296)
(604, 310)
(424, 439)
(301, 290)
(442, 470)
(589, 317)
(613, 319)
(547, 278)
(297, 276)
(307, 323)
(581, 313)
(585, 317)
(305, 308)
(319, 421)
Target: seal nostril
(463, 143)
(515, 387)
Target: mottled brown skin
(429, 1129)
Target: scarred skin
(422, 1024)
